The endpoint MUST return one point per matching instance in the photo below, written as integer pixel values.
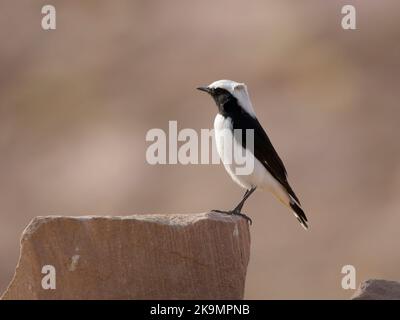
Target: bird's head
(230, 96)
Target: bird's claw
(236, 213)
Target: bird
(236, 113)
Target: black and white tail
(299, 213)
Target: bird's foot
(236, 213)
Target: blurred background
(77, 102)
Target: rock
(187, 256)
(375, 289)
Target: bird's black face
(225, 101)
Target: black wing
(264, 150)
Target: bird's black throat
(228, 105)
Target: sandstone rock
(188, 256)
(378, 290)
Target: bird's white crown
(238, 90)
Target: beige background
(76, 103)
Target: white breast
(259, 176)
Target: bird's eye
(218, 91)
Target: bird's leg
(238, 208)
(248, 193)
(229, 212)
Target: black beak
(205, 89)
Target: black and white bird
(235, 111)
